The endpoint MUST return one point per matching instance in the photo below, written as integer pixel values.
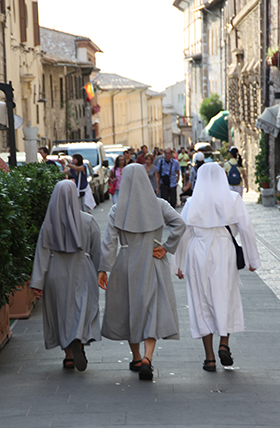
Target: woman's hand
(180, 274)
(38, 293)
(159, 252)
(103, 280)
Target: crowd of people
(71, 263)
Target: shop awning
(218, 126)
(269, 120)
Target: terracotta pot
(265, 185)
(5, 332)
(22, 302)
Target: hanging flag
(89, 90)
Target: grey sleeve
(40, 264)
(176, 225)
(109, 245)
(95, 243)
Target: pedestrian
(65, 274)
(183, 159)
(185, 194)
(206, 256)
(169, 171)
(44, 152)
(127, 156)
(77, 169)
(152, 172)
(235, 172)
(116, 176)
(198, 162)
(140, 300)
(141, 156)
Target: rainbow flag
(90, 90)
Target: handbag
(111, 187)
(239, 252)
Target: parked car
(20, 156)
(111, 159)
(95, 153)
(115, 149)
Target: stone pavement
(37, 393)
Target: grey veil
(138, 210)
(62, 226)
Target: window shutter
(36, 23)
(22, 16)
(3, 7)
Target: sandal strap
(148, 360)
(226, 347)
(136, 362)
(209, 361)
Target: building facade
(69, 62)
(155, 119)
(22, 62)
(123, 111)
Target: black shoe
(133, 367)
(225, 356)
(207, 367)
(79, 355)
(146, 370)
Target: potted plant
(273, 56)
(261, 168)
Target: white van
(94, 152)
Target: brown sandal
(68, 363)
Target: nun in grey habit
(65, 273)
(140, 300)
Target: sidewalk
(38, 393)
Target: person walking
(169, 171)
(140, 301)
(235, 172)
(141, 156)
(198, 162)
(116, 175)
(77, 169)
(44, 152)
(152, 172)
(65, 274)
(183, 159)
(206, 256)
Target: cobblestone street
(38, 393)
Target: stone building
(69, 62)
(247, 77)
(204, 56)
(22, 62)
(123, 110)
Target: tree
(210, 107)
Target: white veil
(213, 204)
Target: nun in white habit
(65, 273)
(140, 300)
(206, 256)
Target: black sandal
(146, 370)
(79, 355)
(133, 367)
(225, 356)
(68, 363)
(207, 367)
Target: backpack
(234, 177)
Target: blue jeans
(115, 197)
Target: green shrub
(24, 197)
(210, 107)
(262, 169)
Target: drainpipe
(113, 116)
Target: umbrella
(218, 126)
(4, 116)
(269, 121)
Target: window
(23, 20)
(44, 87)
(61, 92)
(37, 114)
(36, 28)
(2, 6)
(34, 94)
(51, 90)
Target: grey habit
(65, 268)
(140, 299)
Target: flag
(89, 90)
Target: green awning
(218, 126)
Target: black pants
(169, 194)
